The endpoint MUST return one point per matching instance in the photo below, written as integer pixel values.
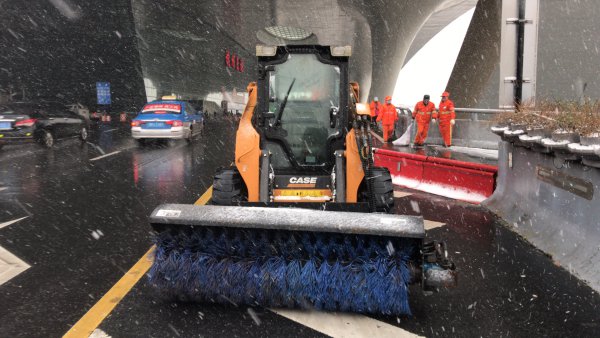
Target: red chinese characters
(162, 107)
(234, 61)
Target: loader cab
(302, 106)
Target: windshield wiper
(282, 106)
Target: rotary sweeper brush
(302, 219)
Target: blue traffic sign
(103, 92)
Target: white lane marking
(5, 224)
(343, 324)
(400, 194)
(433, 224)
(97, 333)
(105, 155)
(106, 131)
(3, 188)
(10, 266)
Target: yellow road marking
(205, 197)
(90, 321)
(94, 317)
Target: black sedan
(43, 122)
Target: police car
(167, 119)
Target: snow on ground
(477, 152)
(583, 148)
(499, 128)
(439, 189)
(514, 132)
(551, 142)
(527, 138)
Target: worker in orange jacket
(447, 118)
(376, 108)
(423, 113)
(388, 118)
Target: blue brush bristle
(323, 271)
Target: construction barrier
(552, 203)
(466, 181)
(123, 117)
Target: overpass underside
(183, 45)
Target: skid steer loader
(302, 219)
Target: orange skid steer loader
(302, 219)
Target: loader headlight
(341, 50)
(266, 50)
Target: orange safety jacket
(376, 108)
(388, 115)
(446, 111)
(424, 113)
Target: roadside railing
(479, 114)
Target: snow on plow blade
(286, 257)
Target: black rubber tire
(228, 187)
(383, 189)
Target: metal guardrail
(479, 114)
(483, 110)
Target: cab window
(312, 89)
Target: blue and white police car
(167, 119)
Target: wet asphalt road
(87, 226)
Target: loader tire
(383, 189)
(228, 187)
